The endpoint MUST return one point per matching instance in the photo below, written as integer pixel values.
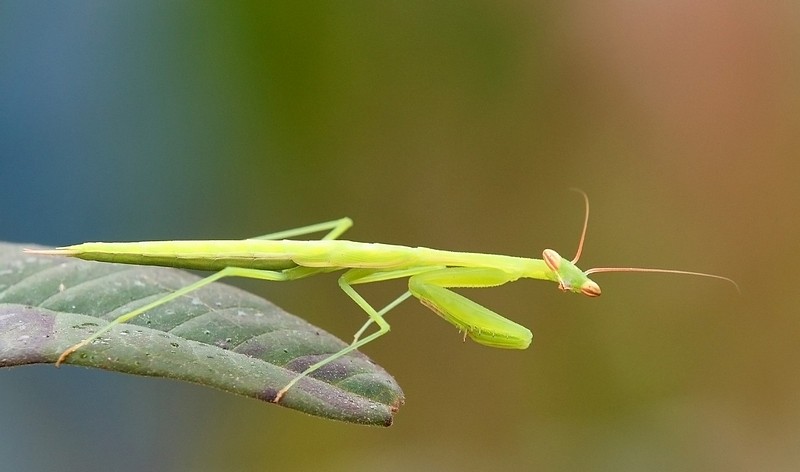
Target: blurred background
(457, 125)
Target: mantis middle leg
(346, 282)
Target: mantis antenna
(585, 224)
(597, 270)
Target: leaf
(218, 336)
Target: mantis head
(572, 279)
(568, 276)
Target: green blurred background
(458, 125)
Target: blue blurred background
(458, 125)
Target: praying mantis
(431, 274)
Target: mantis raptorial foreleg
(430, 285)
(476, 321)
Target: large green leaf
(218, 336)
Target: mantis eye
(552, 259)
(590, 289)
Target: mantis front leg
(478, 322)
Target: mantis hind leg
(288, 274)
(482, 325)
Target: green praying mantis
(431, 274)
